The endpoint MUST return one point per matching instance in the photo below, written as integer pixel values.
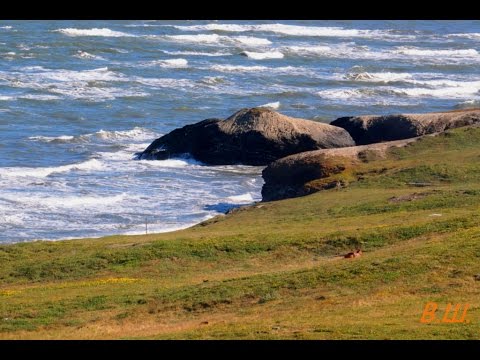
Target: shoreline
(169, 230)
(166, 231)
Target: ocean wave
(384, 77)
(473, 36)
(63, 201)
(169, 63)
(366, 96)
(55, 139)
(212, 80)
(97, 94)
(344, 93)
(216, 39)
(37, 97)
(239, 68)
(166, 83)
(250, 40)
(197, 53)
(38, 77)
(263, 55)
(273, 105)
(354, 51)
(9, 55)
(8, 27)
(455, 92)
(308, 50)
(447, 83)
(85, 55)
(431, 80)
(298, 30)
(15, 220)
(338, 51)
(137, 134)
(441, 89)
(40, 172)
(412, 51)
(93, 32)
(84, 84)
(264, 70)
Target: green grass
(273, 270)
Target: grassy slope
(270, 271)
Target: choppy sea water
(79, 98)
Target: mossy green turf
(272, 270)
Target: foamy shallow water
(79, 98)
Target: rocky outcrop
(373, 129)
(255, 136)
(291, 176)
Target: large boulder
(255, 136)
(372, 129)
(298, 174)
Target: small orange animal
(353, 254)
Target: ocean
(79, 98)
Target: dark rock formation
(373, 129)
(290, 177)
(254, 136)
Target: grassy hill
(272, 270)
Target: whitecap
(93, 32)
(212, 80)
(340, 51)
(263, 55)
(62, 138)
(250, 40)
(364, 96)
(202, 38)
(39, 97)
(16, 220)
(239, 68)
(384, 77)
(89, 165)
(413, 51)
(265, 70)
(196, 53)
(137, 134)
(63, 201)
(345, 93)
(85, 55)
(454, 92)
(473, 36)
(273, 105)
(169, 63)
(216, 39)
(84, 84)
(298, 30)
(166, 82)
